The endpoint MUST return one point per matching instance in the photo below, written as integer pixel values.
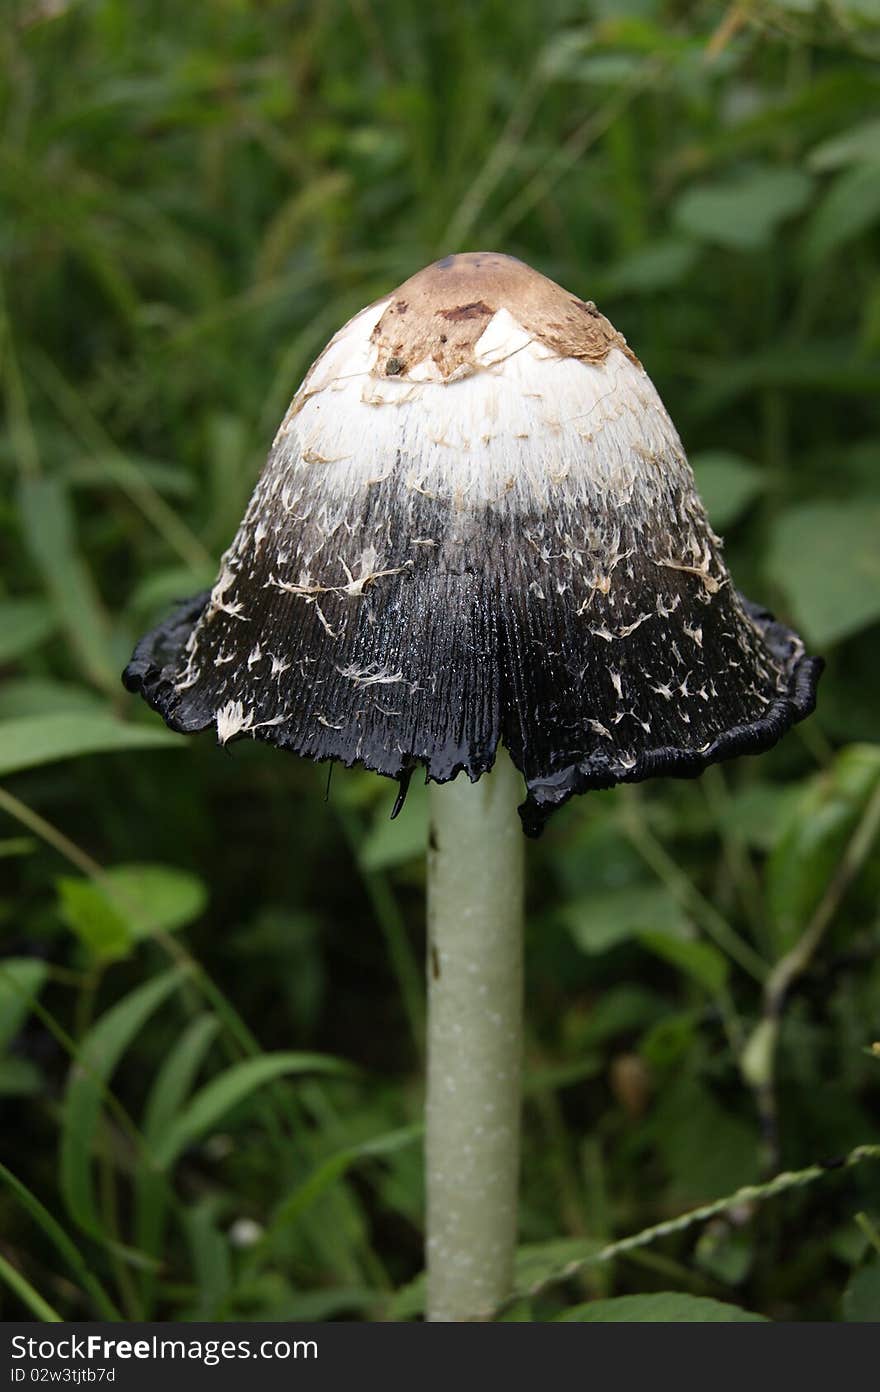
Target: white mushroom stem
(475, 934)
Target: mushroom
(477, 528)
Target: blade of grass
(280, 1110)
(99, 1053)
(113, 1105)
(32, 740)
(48, 529)
(333, 1169)
(233, 1086)
(62, 1243)
(26, 1293)
(173, 1084)
(677, 882)
(167, 523)
(237, 1034)
(571, 152)
(24, 443)
(176, 1077)
(211, 1261)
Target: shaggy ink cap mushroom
(477, 523)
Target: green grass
(210, 1060)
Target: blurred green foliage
(210, 993)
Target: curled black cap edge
(146, 674)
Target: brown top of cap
(441, 312)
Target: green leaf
(670, 1040)
(312, 1306)
(30, 741)
(97, 1058)
(699, 960)
(20, 1078)
(861, 1299)
(725, 1253)
(21, 980)
(727, 484)
(131, 902)
(810, 845)
(89, 914)
(858, 145)
(111, 468)
(744, 212)
(161, 590)
(798, 7)
(862, 12)
(157, 898)
(664, 1307)
(48, 527)
(602, 921)
(757, 1056)
(224, 1093)
(757, 812)
(409, 1300)
(24, 624)
(825, 557)
(850, 207)
(829, 368)
(32, 696)
(660, 266)
(395, 842)
(619, 1010)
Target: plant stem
(475, 917)
(758, 1057)
(655, 855)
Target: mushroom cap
(477, 523)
